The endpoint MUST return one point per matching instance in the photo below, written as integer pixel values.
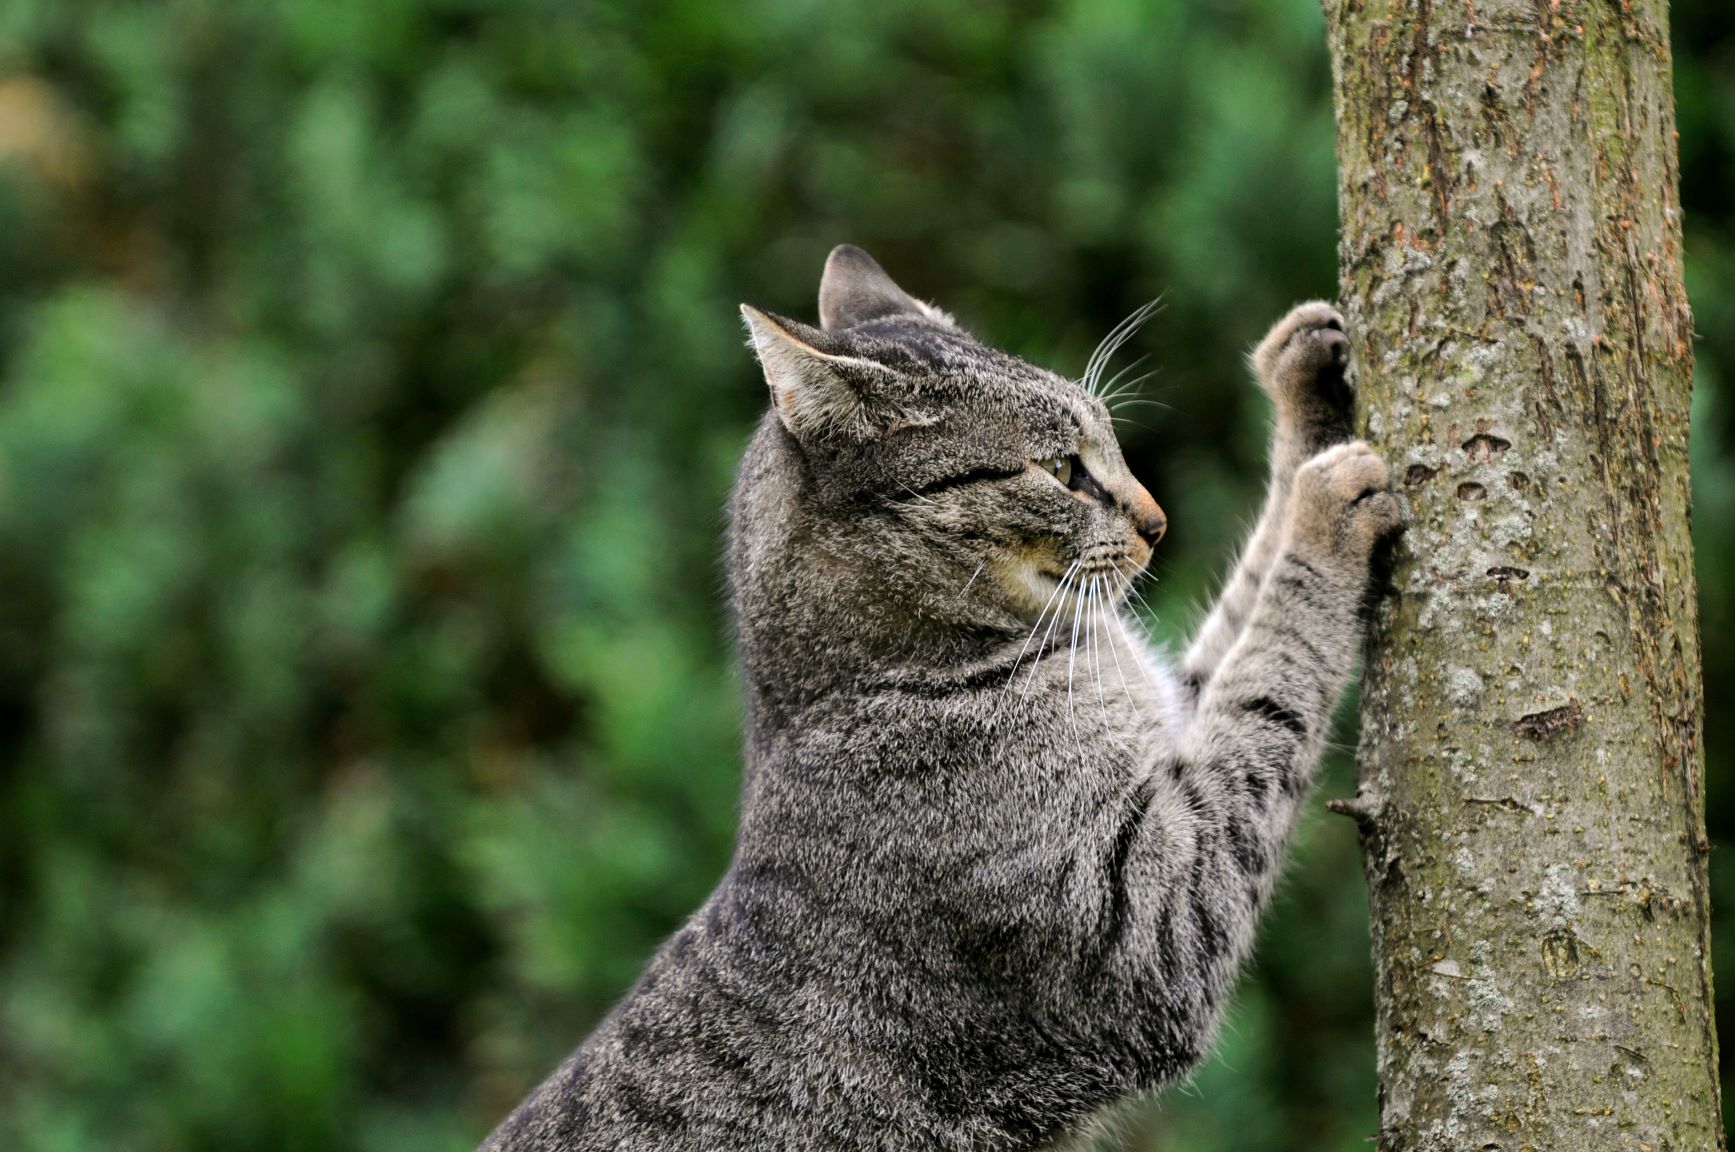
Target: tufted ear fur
(855, 289)
(816, 387)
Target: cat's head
(967, 483)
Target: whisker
(918, 497)
(1109, 389)
(972, 578)
(1072, 653)
(1129, 587)
(1047, 634)
(1136, 655)
(1129, 388)
(1131, 590)
(1140, 402)
(1054, 621)
(1118, 335)
(1114, 613)
(1098, 357)
(1037, 626)
(1144, 605)
(1095, 647)
(1089, 617)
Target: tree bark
(1530, 760)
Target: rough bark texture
(1530, 762)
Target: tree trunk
(1530, 761)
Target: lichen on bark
(1530, 761)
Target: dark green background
(370, 386)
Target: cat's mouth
(1100, 568)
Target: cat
(997, 864)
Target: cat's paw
(1303, 365)
(1343, 505)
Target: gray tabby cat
(997, 866)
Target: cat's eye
(1059, 467)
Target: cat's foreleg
(1301, 365)
(1197, 846)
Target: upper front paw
(1303, 364)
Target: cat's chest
(991, 748)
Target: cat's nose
(1147, 515)
(1153, 524)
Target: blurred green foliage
(370, 386)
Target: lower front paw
(1344, 504)
(1303, 364)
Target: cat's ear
(855, 289)
(815, 386)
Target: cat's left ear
(816, 387)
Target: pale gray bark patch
(1530, 760)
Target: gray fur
(996, 866)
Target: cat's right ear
(815, 387)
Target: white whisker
(1109, 390)
(1131, 589)
(1118, 335)
(1072, 655)
(1130, 388)
(972, 578)
(1095, 645)
(1053, 620)
(1144, 605)
(918, 497)
(1136, 656)
(1140, 402)
(1114, 613)
(1136, 650)
(1036, 627)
